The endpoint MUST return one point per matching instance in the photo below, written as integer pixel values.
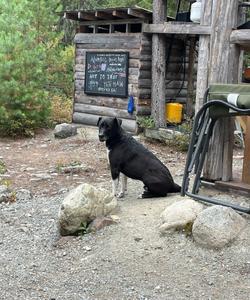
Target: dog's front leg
(115, 180)
(115, 184)
(123, 186)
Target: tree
(24, 102)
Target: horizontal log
(110, 46)
(143, 110)
(144, 74)
(241, 37)
(144, 102)
(173, 94)
(79, 75)
(145, 65)
(92, 119)
(134, 63)
(170, 76)
(102, 110)
(133, 53)
(177, 28)
(174, 84)
(144, 96)
(120, 103)
(90, 38)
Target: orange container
(174, 112)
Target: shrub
(24, 103)
(61, 110)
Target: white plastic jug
(195, 15)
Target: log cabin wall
(88, 108)
(180, 74)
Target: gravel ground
(129, 260)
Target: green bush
(24, 102)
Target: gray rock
(65, 130)
(23, 195)
(74, 169)
(217, 226)
(5, 194)
(82, 205)
(179, 215)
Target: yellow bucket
(174, 112)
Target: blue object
(131, 105)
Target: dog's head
(108, 128)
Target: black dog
(130, 158)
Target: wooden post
(222, 69)
(190, 85)
(158, 66)
(204, 52)
(246, 161)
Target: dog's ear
(99, 120)
(118, 121)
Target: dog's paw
(120, 195)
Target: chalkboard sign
(106, 73)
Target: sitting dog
(131, 159)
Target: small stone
(138, 239)
(87, 248)
(23, 195)
(65, 130)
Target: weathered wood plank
(203, 56)
(241, 38)
(120, 103)
(102, 110)
(177, 28)
(246, 161)
(158, 66)
(89, 38)
(190, 84)
(115, 46)
(219, 158)
(92, 119)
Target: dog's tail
(175, 188)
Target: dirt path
(129, 260)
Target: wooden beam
(158, 87)
(203, 56)
(103, 15)
(244, 4)
(86, 16)
(120, 14)
(190, 86)
(241, 37)
(107, 22)
(222, 69)
(246, 161)
(176, 28)
(71, 16)
(138, 13)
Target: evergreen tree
(24, 102)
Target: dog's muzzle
(101, 137)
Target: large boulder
(64, 130)
(180, 215)
(82, 205)
(217, 226)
